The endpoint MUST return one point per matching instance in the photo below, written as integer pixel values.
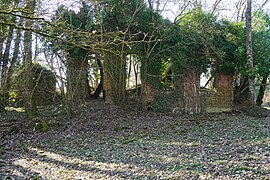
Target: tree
(261, 53)
(72, 26)
(7, 33)
(14, 60)
(28, 84)
(251, 78)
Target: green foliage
(120, 14)
(163, 102)
(261, 43)
(83, 20)
(230, 45)
(41, 126)
(195, 34)
(197, 40)
(160, 104)
(70, 24)
(44, 82)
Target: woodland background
(124, 89)
(64, 54)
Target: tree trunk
(251, 79)
(99, 88)
(157, 5)
(2, 39)
(1, 54)
(77, 85)
(5, 68)
(150, 4)
(2, 106)
(28, 76)
(262, 90)
(190, 100)
(7, 51)
(14, 59)
(241, 92)
(115, 78)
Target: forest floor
(105, 142)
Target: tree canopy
(98, 39)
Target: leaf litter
(106, 142)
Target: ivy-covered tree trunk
(251, 79)
(28, 77)
(150, 69)
(77, 83)
(190, 99)
(263, 85)
(115, 78)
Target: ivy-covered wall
(221, 98)
(189, 98)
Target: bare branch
(215, 6)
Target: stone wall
(187, 97)
(220, 99)
(191, 100)
(148, 95)
(107, 88)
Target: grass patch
(178, 167)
